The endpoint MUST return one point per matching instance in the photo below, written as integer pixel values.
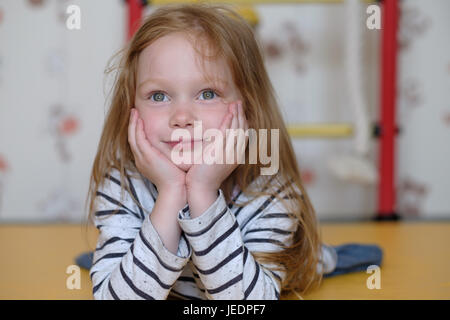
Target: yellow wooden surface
(35, 258)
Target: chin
(184, 167)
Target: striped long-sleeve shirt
(213, 260)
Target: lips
(172, 144)
(185, 142)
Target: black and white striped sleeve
(130, 260)
(222, 248)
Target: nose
(182, 116)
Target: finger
(247, 133)
(242, 137)
(142, 142)
(232, 139)
(225, 125)
(234, 121)
(209, 155)
(245, 124)
(240, 116)
(132, 132)
(235, 124)
(226, 121)
(242, 123)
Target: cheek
(151, 129)
(152, 124)
(213, 119)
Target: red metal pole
(386, 188)
(134, 16)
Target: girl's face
(172, 91)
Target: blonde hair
(234, 40)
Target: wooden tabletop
(35, 260)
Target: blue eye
(209, 94)
(159, 96)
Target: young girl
(197, 230)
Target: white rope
(355, 167)
(354, 64)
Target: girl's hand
(154, 165)
(208, 178)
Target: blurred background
(53, 99)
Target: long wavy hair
(234, 40)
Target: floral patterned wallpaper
(53, 98)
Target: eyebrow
(163, 81)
